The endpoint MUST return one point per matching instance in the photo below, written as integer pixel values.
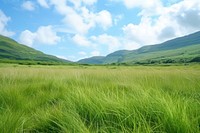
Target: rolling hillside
(180, 50)
(13, 52)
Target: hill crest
(13, 52)
(129, 56)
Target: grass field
(99, 99)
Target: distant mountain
(93, 60)
(182, 49)
(13, 52)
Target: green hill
(180, 55)
(178, 50)
(13, 52)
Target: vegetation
(181, 55)
(99, 99)
(13, 52)
(179, 50)
(92, 60)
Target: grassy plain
(99, 99)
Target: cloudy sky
(75, 29)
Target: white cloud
(175, 20)
(89, 2)
(130, 45)
(118, 18)
(3, 23)
(148, 7)
(71, 58)
(78, 3)
(28, 5)
(27, 38)
(72, 19)
(95, 53)
(44, 35)
(60, 6)
(112, 42)
(141, 3)
(81, 20)
(103, 43)
(62, 57)
(186, 14)
(81, 40)
(144, 33)
(82, 53)
(98, 43)
(76, 23)
(104, 18)
(170, 2)
(157, 24)
(43, 3)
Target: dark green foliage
(196, 59)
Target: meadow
(73, 99)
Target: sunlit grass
(100, 99)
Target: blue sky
(75, 29)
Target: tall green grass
(100, 99)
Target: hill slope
(11, 51)
(178, 50)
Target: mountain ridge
(181, 49)
(124, 56)
(12, 51)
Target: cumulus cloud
(105, 42)
(167, 32)
(89, 2)
(148, 7)
(112, 42)
(81, 40)
(43, 3)
(82, 53)
(95, 53)
(188, 16)
(158, 23)
(98, 42)
(104, 19)
(71, 18)
(27, 38)
(3, 23)
(28, 5)
(44, 35)
(175, 20)
(79, 3)
(140, 3)
(144, 33)
(118, 18)
(78, 18)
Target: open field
(99, 99)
